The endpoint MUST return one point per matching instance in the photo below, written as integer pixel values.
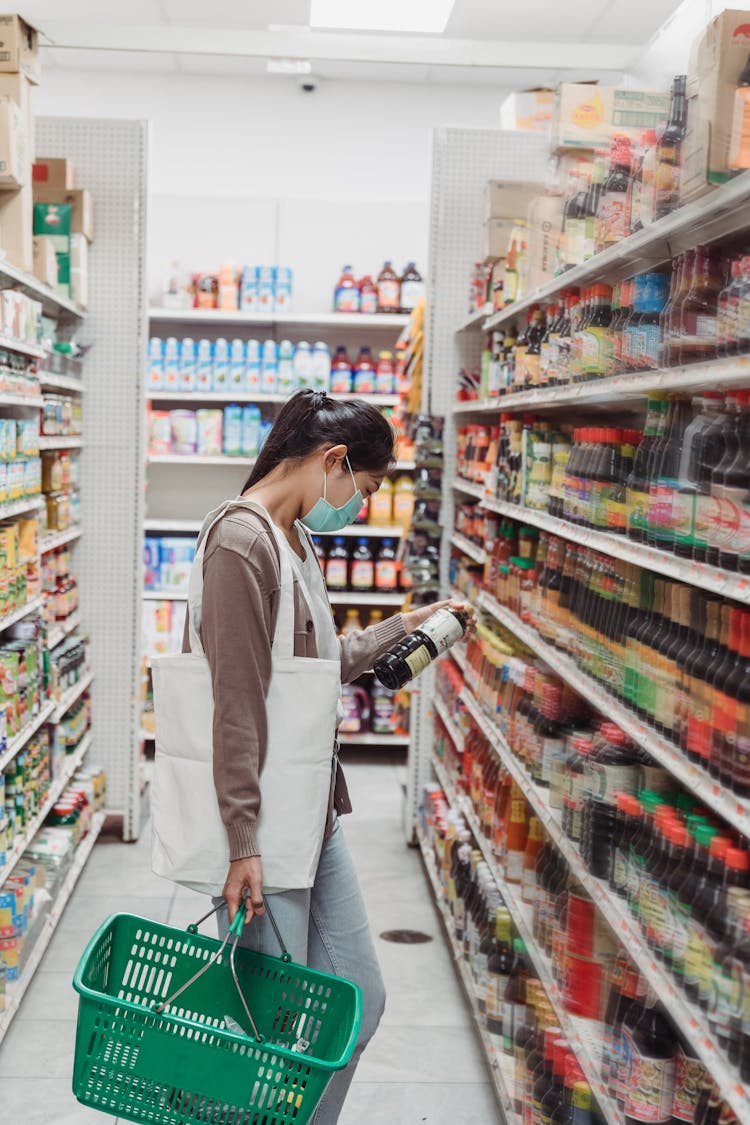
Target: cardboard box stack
(19, 72)
(63, 225)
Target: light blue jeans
(326, 928)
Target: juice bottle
(381, 505)
(286, 379)
(237, 365)
(269, 368)
(337, 565)
(204, 366)
(389, 290)
(385, 374)
(362, 572)
(303, 365)
(386, 568)
(698, 311)
(341, 372)
(412, 288)
(346, 295)
(320, 367)
(352, 623)
(368, 295)
(251, 430)
(221, 365)
(156, 364)
(232, 443)
(364, 373)
(187, 365)
(403, 501)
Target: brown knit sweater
(241, 578)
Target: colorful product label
(649, 1088)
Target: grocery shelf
(165, 595)
(475, 319)
(19, 741)
(366, 531)
(71, 696)
(367, 738)
(32, 606)
(198, 459)
(71, 762)
(18, 507)
(242, 397)
(715, 375)
(712, 578)
(59, 539)
(469, 487)
(582, 1035)
(152, 524)
(478, 554)
(686, 1016)
(50, 382)
(721, 213)
(17, 989)
(362, 597)
(734, 810)
(455, 734)
(31, 402)
(500, 1065)
(322, 319)
(23, 347)
(60, 442)
(62, 629)
(52, 304)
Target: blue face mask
(324, 517)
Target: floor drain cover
(405, 937)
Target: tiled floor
(424, 1065)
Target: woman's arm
(359, 650)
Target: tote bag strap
(285, 622)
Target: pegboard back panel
(110, 159)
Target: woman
(319, 463)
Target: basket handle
(238, 924)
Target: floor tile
(414, 1103)
(403, 1054)
(50, 996)
(37, 1049)
(49, 1102)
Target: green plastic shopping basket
(142, 1057)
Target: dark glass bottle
(651, 1045)
(409, 657)
(669, 151)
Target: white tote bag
(189, 841)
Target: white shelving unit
(17, 743)
(71, 696)
(361, 597)
(53, 305)
(20, 507)
(218, 317)
(29, 607)
(60, 443)
(21, 347)
(60, 539)
(60, 630)
(475, 319)
(477, 554)
(28, 402)
(67, 383)
(225, 397)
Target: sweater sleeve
(236, 630)
(360, 649)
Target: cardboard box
(716, 62)
(542, 245)
(497, 234)
(507, 199)
(54, 221)
(55, 172)
(14, 163)
(18, 87)
(16, 227)
(45, 260)
(79, 270)
(62, 288)
(528, 110)
(80, 202)
(588, 116)
(19, 48)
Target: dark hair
(310, 419)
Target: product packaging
(81, 206)
(14, 159)
(19, 48)
(249, 289)
(184, 431)
(204, 367)
(45, 260)
(232, 443)
(528, 110)
(221, 365)
(210, 423)
(266, 288)
(79, 270)
(54, 172)
(497, 233)
(588, 116)
(505, 199)
(544, 225)
(53, 220)
(283, 290)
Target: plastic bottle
(364, 373)
(232, 440)
(352, 623)
(648, 181)
(221, 365)
(251, 431)
(172, 364)
(286, 381)
(385, 374)
(386, 568)
(389, 290)
(321, 367)
(282, 290)
(381, 505)
(303, 365)
(155, 364)
(341, 372)
(383, 709)
(187, 365)
(266, 288)
(249, 289)
(228, 294)
(346, 296)
(204, 374)
(337, 565)
(269, 368)
(403, 501)
(368, 295)
(362, 570)
(412, 288)
(237, 366)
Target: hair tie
(319, 399)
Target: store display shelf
(478, 554)
(52, 304)
(50, 382)
(469, 487)
(153, 524)
(322, 320)
(733, 809)
(581, 1034)
(165, 595)
(23, 347)
(367, 738)
(458, 652)
(18, 507)
(242, 397)
(32, 606)
(30, 402)
(719, 214)
(715, 375)
(62, 629)
(71, 696)
(19, 741)
(366, 531)
(475, 319)
(717, 581)
(362, 597)
(198, 459)
(500, 1065)
(59, 539)
(615, 912)
(455, 734)
(17, 990)
(60, 442)
(70, 764)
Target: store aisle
(424, 1065)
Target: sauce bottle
(341, 372)
(364, 372)
(412, 288)
(699, 309)
(346, 296)
(649, 1087)
(612, 215)
(368, 295)
(385, 375)
(389, 290)
(669, 152)
(362, 570)
(381, 505)
(410, 656)
(386, 568)
(337, 565)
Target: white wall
(252, 170)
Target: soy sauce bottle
(410, 656)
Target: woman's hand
(415, 617)
(245, 874)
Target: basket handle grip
(239, 923)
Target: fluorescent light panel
(288, 66)
(381, 15)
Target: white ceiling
(486, 41)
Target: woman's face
(339, 485)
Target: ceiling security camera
(307, 84)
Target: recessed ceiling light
(288, 66)
(381, 15)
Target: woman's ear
(334, 455)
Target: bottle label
(725, 1003)
(683, 518)
(679, 929)
(389, 293)
(575, 241)
(411, 293)
(638, 505)
(593, 342)
(337, 574)
(418, 660)
(698, 330)
(613, 225)
(649, 1085)
(607, 780)
(362, 574)
(443, 629)
(661, 500)
(386, 574)
(690, 1075)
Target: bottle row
(241, 366)
(374, 709)
(361, 565)
(681, 485)
(59, 586)
(389, 293)
(251, 289)
(235, 431)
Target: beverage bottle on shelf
(710, 446)
(269, 367)
(389, 290)
(612, 213)
(635, 204)
(570, 304)
(534, 842)
(648, 179)
(595, 334)
(650, 1050)
(705, 410)
(613, 356)
(409, 657)
(522, 343)
(544, 1074)
(386, 568)
(720, 515)
(287, 380)
(628, 989)
(698, 312)
(337, 565)
(303, 365)
(727, 310)
(364, 372)
(548, 351)
(516, 835)
(514, 999)
(699, 898)
(499, 968)
(574, 223)
(320, 367)
(187, 365)
(403, 500)
(341, 372)
(368, 295)
(347, 295)
(730, 482)
(412, 288)
(532, 359)
(637, 497)
(352, 623)
(669, 152)
(591, 205)
(742, 316)
(665, 477)
(381, 505)
(385, 376)
(362, 568)
(684, 269)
